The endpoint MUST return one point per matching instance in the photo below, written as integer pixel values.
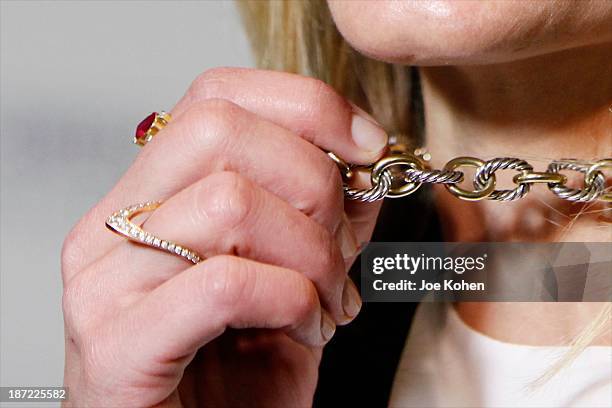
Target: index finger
(306, 106)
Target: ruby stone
(144, 126)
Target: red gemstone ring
(150, 126)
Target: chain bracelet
(402, 173)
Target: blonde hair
(300, 36)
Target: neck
(538, 109)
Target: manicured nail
(367, 134)
(351, 301)
(328, 327)
(346, 238)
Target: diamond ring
(121, 223)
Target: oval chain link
(402, 173)
(594, 185)
(480, 192)
(592, 174)
(486, 171)
(393, 165)
(433, 176)
(378, 191)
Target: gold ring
(149, 127)
(474, 195)
(121, 223)
(397, 160)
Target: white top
(446, 363)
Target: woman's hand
(245, 185)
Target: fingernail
(328, 327)
(351, 301)
(347, 240)
(368, 135)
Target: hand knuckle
(72, 253)
(304, 299)
(324, 191)
(72, 304)
(228, 281)
(225, 199)
(211, 123)
(84, 301)
(330, 256)
(321, 97)
(210, 83)
(317, 89)
(332, 185)
(69, 254)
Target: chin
(428, 32)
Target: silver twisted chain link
(589, 193)
(433, 176)
(484, 173)
(377, 192)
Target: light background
(76, 77)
